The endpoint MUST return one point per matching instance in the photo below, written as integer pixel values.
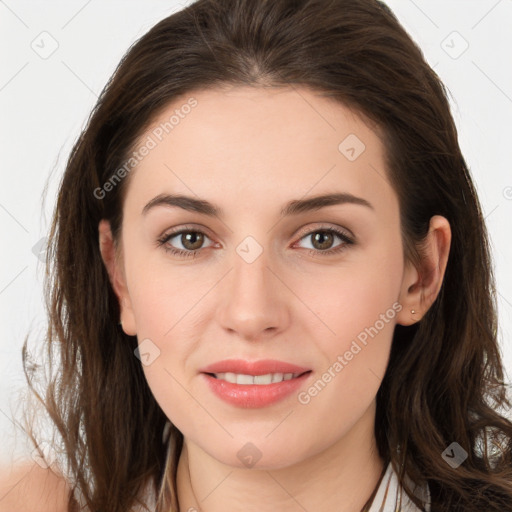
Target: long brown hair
(444, 382)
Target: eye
(191, 242)
(322, 240)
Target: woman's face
(269, 280)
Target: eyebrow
(293, 207)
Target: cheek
(166, 307)
(353, 295)
(355, 308)
(168, 301)
(161, 291)
(357, 305)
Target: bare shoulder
(27, 487)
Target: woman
(359, 372)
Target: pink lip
(252, 368)
(253, 395)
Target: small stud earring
(413, 312)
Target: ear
(420, 287)
(114, 264)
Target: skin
(250, 151)
(28, 487)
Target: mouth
(262, 380)
(258, 387)
(253, 384)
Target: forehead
(272, 142)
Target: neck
(342, 478)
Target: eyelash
(162, 242)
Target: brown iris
(324, 239)
(193, 238)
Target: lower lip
(254, 395)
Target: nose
(253, 302)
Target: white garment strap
(392, 498)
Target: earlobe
(115, 272)
(409, 296)
(420, 287)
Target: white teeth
(269, 378)
(277, 377)
(230, 377)
(263, 379)
(244, 379)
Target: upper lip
(261, 367)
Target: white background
(44, 102)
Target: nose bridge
(250, 272)
(251, 304)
